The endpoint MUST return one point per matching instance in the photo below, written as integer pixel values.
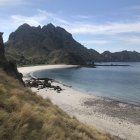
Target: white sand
(30, 69)
(72, 102)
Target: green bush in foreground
(27, 116)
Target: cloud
(94, 42)
(52, 17)
(32, 20)
(135, 7)
(107, 28)
(111, 29)
(129, 40)
(84, 17)
(77, 27)
(41, 18)
(11, 2)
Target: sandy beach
(117, 118)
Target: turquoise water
(121, 83)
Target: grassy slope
(26, 116)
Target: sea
(121, 83)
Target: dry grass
(26, 116)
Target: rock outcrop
(2, 56)
(8, 66)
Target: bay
(117, 82)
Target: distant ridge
(53, 45)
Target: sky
(102, 25)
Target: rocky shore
(41, 83)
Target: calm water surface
(121, 83)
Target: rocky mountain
(51, 45)
(8, 66)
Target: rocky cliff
(2, 56)
(8, 66)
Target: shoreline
(118, 118)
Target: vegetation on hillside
(27, 116)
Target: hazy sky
(99, 24)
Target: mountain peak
(106, 52)
(49, 26)
(24, 26)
